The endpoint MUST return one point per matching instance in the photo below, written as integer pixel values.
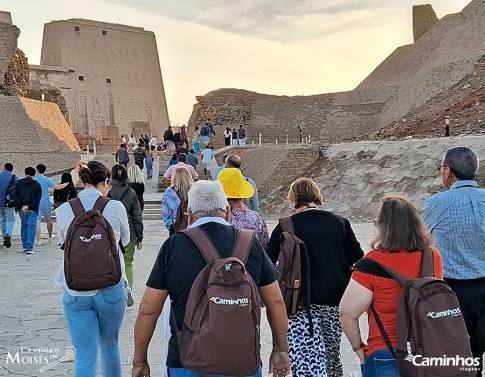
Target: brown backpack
(294, 267)
(429, 322)
(91, 259)
(221, 329)
(181, 217)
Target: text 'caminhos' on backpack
(221, 330)
(91, 259)
(432, 339)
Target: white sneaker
(39, 243)
(30, 252)
(52, 237)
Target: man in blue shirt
(7, 212)
(45, 207)
(456, 218)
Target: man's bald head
(233, 161)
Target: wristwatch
(360, 346)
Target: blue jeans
(7, 220)
(94, 322)
(380, 364)
(149, 165)
(182, 372)
(28, 221)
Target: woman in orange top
(401, 236)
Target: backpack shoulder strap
(100, 203)
(242, 247)
(286, 224)
(203, 243)
(76, 206)
(127, 190)
(370, 266)
(380, 270)
(426, 267)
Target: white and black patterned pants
(317, 356)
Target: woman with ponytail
(94, 317)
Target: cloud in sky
(274, 20)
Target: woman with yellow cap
(237, 189)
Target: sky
(282, 47)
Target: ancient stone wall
(16, 79)
(424, 19)
(8, 46)
(354, 176)
(405, 81)
(33, 132)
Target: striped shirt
(456, 218)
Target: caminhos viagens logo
(230, 301)
(95, 237)
(445, 313)
(464, 363)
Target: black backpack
(139, 156)
(205, 131)
(9, 199)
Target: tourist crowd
(220, 263)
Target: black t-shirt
(180, 261)
(332, 249)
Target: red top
(387, 292)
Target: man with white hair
(178, 264)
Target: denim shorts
(380, 364)
(45, 211)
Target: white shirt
(116, 215)
(207, 155)
(153, 142)
(132, 140)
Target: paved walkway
(31, 317)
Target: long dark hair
(120, 173)
(67, 177)
(400, 227)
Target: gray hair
(463, 162)
(207, 198)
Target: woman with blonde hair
(237, 189)
(400, 244)
(174, 196)
(137, 183)
(332, 250)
